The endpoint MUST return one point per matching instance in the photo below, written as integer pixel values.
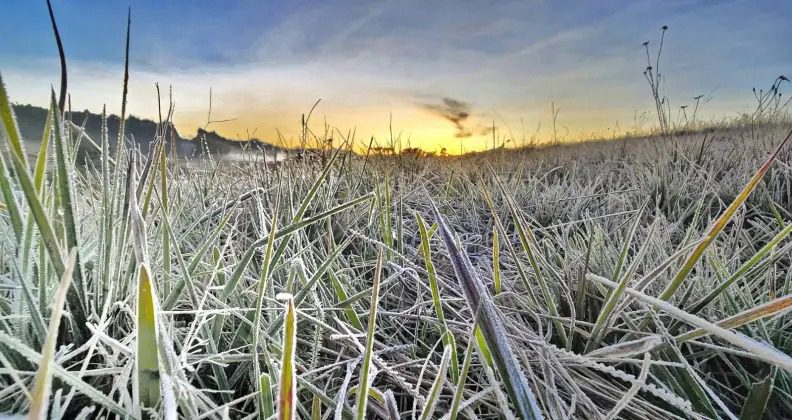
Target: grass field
(643, 278)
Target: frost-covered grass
(632, 281)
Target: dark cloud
(484, 130)
(458, 112)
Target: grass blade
(496, 274)
(448, 337)
(65, 196)
(491, 325)
(261, 290)
(615, 295)
(147, 348)
(528, 242)
(9, 124)
(300, 296)
(287, 391)
(703, 302)
(460, 388)
(761, 351)
(41, 159)
(437, 386)
(365, 369)
(41, 390)
(342, 295)
(248, 255)
(10, 204)
(36, 208)
(756, 403)
(720, 223)
(66, 376)
(265, 398)
(775, 307)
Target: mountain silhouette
(137, 133)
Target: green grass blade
(437, 386)
(758, 397)
(40, 171)
(41, 390)
(459, 392)
(448, 337)
(64, 177)
(265, 398)
(316, 408)
(615, 295)
(496, 274)
(747, 266)
(261, 290)
(342, 295)
(10, 204)
(10, 128)
(365, 368)
(248, 255)
(529, 245)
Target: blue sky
(268, 62)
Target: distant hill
(138, 132)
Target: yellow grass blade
(287, 390)
(761, 351)
(147, 348)
(703, 302)
(719, 224)
(773, 308)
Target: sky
(434, 74)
